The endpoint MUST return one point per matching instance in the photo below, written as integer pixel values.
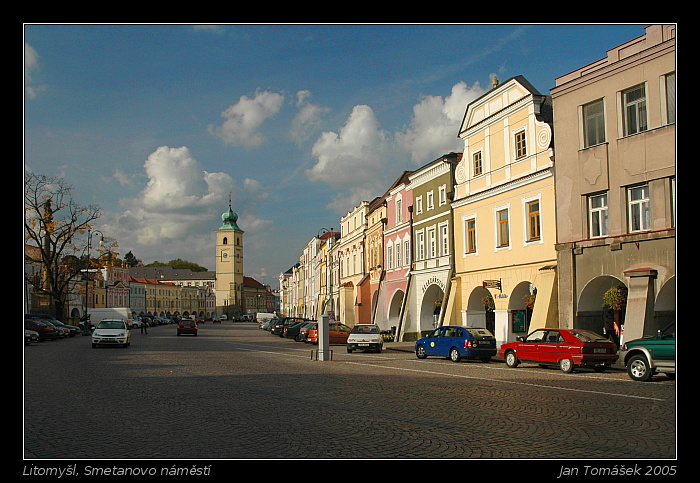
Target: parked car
(187, 326)
(45, 330)
(216, 320)
(60, 331)
(337, 333)
(136, 323)
(365, 337)
(277, 328)
(291, 331)
(565, 348)
(30, 336)
(303, 335)
(71, 330)
(111, 332)
(650, 355)
(457, 342)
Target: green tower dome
(229, 219)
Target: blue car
(457, 342)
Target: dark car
(72, 329)
(291, 331)
(187, 326)
(303, 335)
(46, 330)
(649, 355)
(562, 347)
(277, 328)
(457, 342)
(30, 336)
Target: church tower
(229, 265)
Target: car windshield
(479, 332)
(371, 329)
(588, 336)
(111, 324)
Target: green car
(650, 355)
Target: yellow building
(229, 266)
(504, 214)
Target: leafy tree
(131, 260)
(53, 222)
(179, 264)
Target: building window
(432, 246)
(421, 245)
(444, 240)
(598, 215)
(389, 257)
(419, 204)
(593, 123)
(442, 193)
(407, 253)
(520, 148)
(477, 163)
(634, 103)
(638, 203)
(470, 235)
(429, 201)
(533, 217)
(670, 97)
(398, 255)
(399, 213)
(503, 228)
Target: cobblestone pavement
(237, 392)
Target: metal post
(323, 339)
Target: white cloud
(308, 118)
(243, 119)
(435, 124)
(31, 65)
(353, 155)
(178, 209)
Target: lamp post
(86, 316)
(329, 265)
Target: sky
(296, 124)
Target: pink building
(397, 253)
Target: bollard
(323, 339)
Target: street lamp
(329, 265)
(86, 316)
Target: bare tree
(53, 222)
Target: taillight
(467, 344)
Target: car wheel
(349, 350)
(638, 368)
(454, 355)
(379, 349)
(420, 352)
(297, 337)
(512, 359)
(566, 366)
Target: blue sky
(159, 124)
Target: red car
(562, 347)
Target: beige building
(615, 176)
(351, 256)
(503, 213)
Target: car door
(529, 348)
(664, 347)
(448, 340)
(553, 347)
(433, 342)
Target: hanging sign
(492, 284)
